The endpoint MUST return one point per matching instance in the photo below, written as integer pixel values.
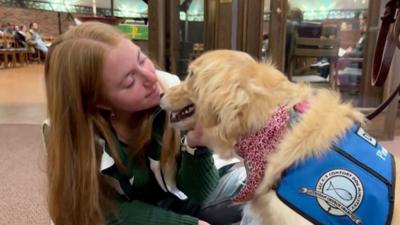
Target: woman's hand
(203, 223)
(195, 137)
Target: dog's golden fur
(234, 95)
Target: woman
(112, 158)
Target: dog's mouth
(182, 114)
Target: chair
(18, 53)
(22, 56)
(22, 53)
(304, 30)
(3, 53)
(8, 50)
(304, 47)
(34, 55)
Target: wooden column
(223, 25)
(234, 24)
(210, 13)
(156, 14)
(172, 35)
(250, 26)
(163, 33)
(217, 24)
(277, 32)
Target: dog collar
(254, 148)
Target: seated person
(20, 36)
(350, 63)
(35, 39)
(296, 26)
(344, 64)
(357, 51)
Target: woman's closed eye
(143, 59)
(129, 81)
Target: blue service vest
(353, 183)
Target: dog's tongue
(254, 148)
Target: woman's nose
(149, 77)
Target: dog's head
(229, 93)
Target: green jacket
(144, 185)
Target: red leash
(388, 39)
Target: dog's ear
(232, 114)
(229, 105)
(222, 116)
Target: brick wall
(47, 21)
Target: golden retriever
(233, 96)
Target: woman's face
(130, 81)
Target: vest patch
(339, 193)
(353, 183)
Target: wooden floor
(22, 95)
(22, 154)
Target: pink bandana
(254, 149)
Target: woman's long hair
(73, 74)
